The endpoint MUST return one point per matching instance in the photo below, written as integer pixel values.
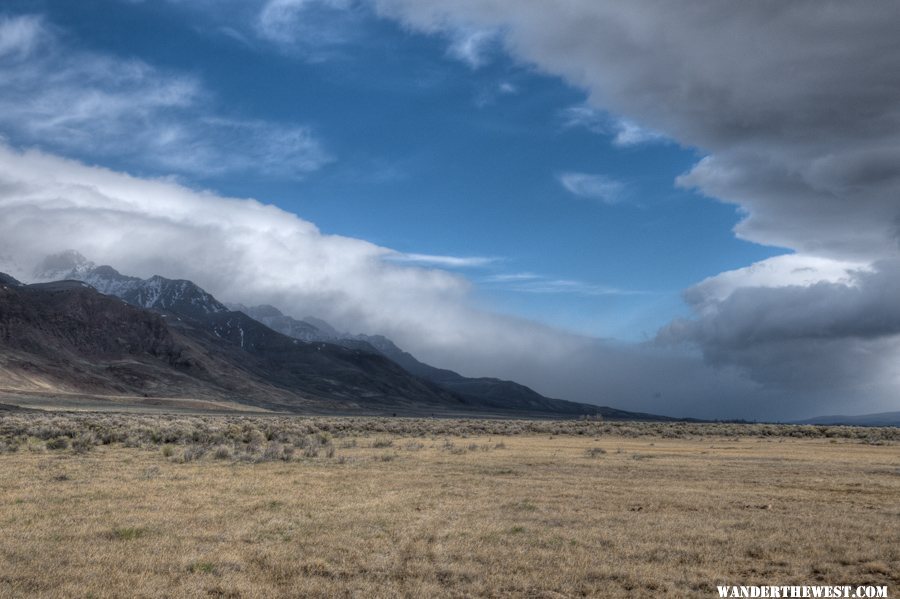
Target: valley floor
(430, 515)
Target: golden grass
(392, 516)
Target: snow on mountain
(106, 280)
(156, 292)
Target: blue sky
(430, 150)
(615, 202)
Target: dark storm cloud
(803, 336)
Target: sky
(675, 207)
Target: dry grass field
(130, 506)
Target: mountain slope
(67, 337)
(328, 370)
(490, 393)
(275, 320)
(325, 370)
(5, 279)
(487, 392)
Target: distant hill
(880, 419)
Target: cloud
(57, 97)
(512, 277)
(240, 249)
(528, 282)
(270, 148)
(793, 106)
(314, 30)
(327, 30)
(629, 133)
(625, 133)
(818, 206)
(789, 270)
(569, 286)
(806, 128)
(490, 93)
(19, 36)
(442, 261)
(586, 117)
(593, 186)
(793, 329)
(471, 46)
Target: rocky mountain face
(67, 337)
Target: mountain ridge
(272, 338)
(185, 299)
(67, 336)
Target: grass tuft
(127, 533)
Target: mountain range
(67, 337)
(91, 329)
